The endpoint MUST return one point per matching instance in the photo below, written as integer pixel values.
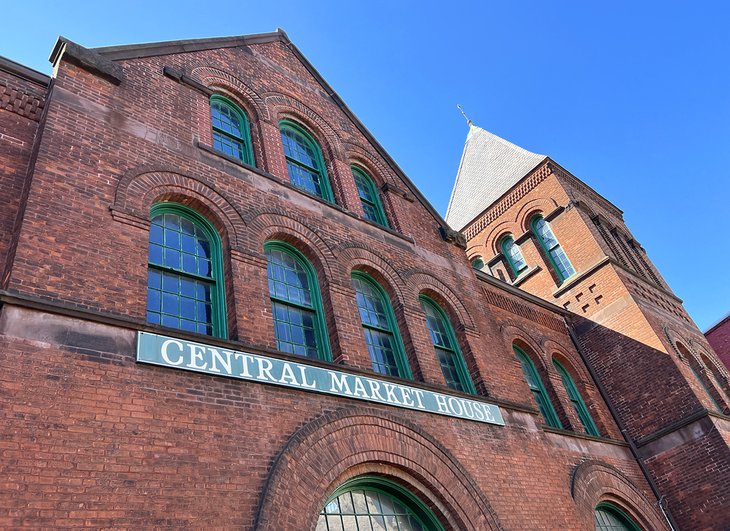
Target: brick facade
(719, 338)
(92, 438)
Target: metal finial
(468, 121)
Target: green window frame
(231, 129)
(304, 161)
(380, 327)
(539, 393)
(185, 272)
(446, 346)
(370, 503)
(477, 263)
(704, 386)
(551, 247)
(296, 303)
(576, 399)
(609, 517)
(512, 253)
(369, 198)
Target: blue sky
(631, 97)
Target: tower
(533, 224)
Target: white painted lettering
(407, 400)
(441, 403)
(456, 401)
(196, 355)
(360, 388)
(419, 398)
(287, 375)
(390, 393)
(216, 357)
(303, 375)
(265, 367)
(468, 408)
(339, 383)
(245, 361)
(375, 390)
(166, 356)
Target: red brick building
(718, 336)
(224, 305)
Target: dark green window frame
(223, 137)
(371, 205)
(539, 393)
(315, 308)
(555, 253)
(477, 263)
(577, 400)
(509, 249)
(615, 519)
(160, 268)
(447, 349)
(402, 367)
(704, 386)
(342, 505)
(318, 169)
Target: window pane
(299, 148)
(305, 179)
(223, 117)
(372, 511)
(370, 304)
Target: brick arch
(594, 482)
(359, 258)
(351, 442)
(674, 337)
(423, 282)
(139, 189)
(497, 232)
(541, 205)
(477, 250)
(379, 171)
(210, 77)
(281, 226)
(571, 363)
(515, 335)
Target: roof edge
(151, 49)
(24, 72)
(716, 325)
(525, 295)
(579, 180)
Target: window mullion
(182, 273)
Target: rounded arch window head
(369, 198)
(231, 129)
(478, 263)
(304, 161)
(372, 503)
(185, 272)
(609, 517)
(589, 426)
(539, 393)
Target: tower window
(549, 243)
(513, 255)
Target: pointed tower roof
(489, 167)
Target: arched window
(371, 205)
(549, 243)
(379, 325)
(513, 255)
(304, 161)
(185, 273)
(295, 298)
(608, 517)
(578, 404)
(477, 263)
(375, 504)
(231, 132)
(538, 389)
(696, 370)
(716, 375)
(447, 348)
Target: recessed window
(380, 327)
(304, 161)
(375, 504)
(577, 400)
(296, 304)
(369, 198)
(608, 517)
(185, 275)
(539, 393)
(477, 263)
(549, 243)
(231, 132)
(513, 255)
(447, 348)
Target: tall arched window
(716, 375)
(371, 205)
(696, 370)
(295, 298)
(447, 348)
(513, 255)
(608, 517)
(231, 131)
(185, 273)
(304, 161)
(375, 504)
(578, 404)
(539, 393)
(387, 353)
(549, 243)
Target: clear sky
(631, 97)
